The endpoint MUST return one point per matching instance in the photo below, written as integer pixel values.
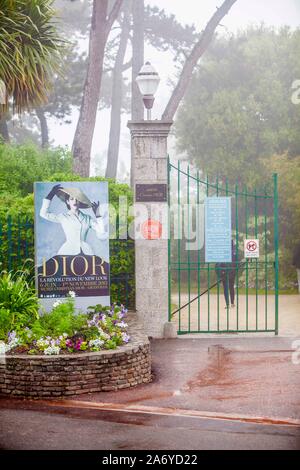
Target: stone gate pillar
(150, 179)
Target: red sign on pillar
(152, 229)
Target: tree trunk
(198, 50)
(137, 106)
(44, 126)
(4, 129)
(100, 28)
(116, 103)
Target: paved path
(261, 313)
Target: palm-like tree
(29, 51)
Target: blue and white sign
(218, 230)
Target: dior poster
(72, 242)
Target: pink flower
(78, 344)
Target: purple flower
(12, 335)
(78, 344)
(125, 337)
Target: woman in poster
(75, 223)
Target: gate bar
(276, 249)
(188, 303)
(202, 293)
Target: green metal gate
(196, 293)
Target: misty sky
(197, 12)
(244, 12)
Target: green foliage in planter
(61, 330)
(5, 323)
(62, 319)
(18, 302)
(110, 344)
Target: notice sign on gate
(251, 248)
(218, 230)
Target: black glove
(95, 207)
(53, 191)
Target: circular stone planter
(74, 374)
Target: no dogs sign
(251, 248)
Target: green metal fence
(196, 291)
(17, 246)
(16, 242)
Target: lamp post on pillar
(150, 182)
(148, 81)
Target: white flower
(42, 343)
(28, 333)
(122, 324)
(13, 340)
(3, 348)
(95, 343)
(72, 294)
(14, 343)
(57, 303)
(51, 350)
(11, 336)
(104, 335)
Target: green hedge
(21, 165)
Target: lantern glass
(148, 80)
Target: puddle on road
(226, 372)
(217, 371)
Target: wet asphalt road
(21, 429)
(245, 377)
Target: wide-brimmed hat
(84, 202)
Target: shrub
(62, 319)
(21, 165)
(18, 302)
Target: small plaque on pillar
(151, 193)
